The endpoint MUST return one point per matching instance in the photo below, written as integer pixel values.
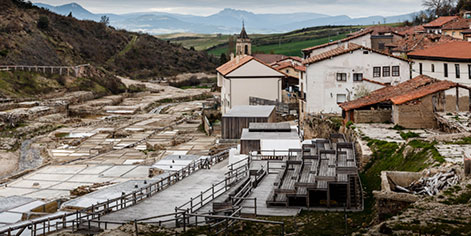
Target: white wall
(364, 40)
(322, 85)
(439, 70)
(439, 73)
(253, 79)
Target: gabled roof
(412, 89)
(343, 50)
(460, 23)
(357, 35)
(440, 21)
(419, 41)
(412, 30)
(454, 51)
(269, 58)
(235, 63)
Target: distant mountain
(68, 41)
(227, 21)
(77, 11)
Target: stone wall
(417, 114)
(450, 104)
(372, 116)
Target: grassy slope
(290, 43)
(288, 49)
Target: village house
(245, 77)
(361, 38)
(455, 29)
(435, 26)
(347, 72)
(293, 68)
(415, 41)
(446, 61)
(411, 104)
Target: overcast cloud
(353, 8)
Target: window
(341, 98)
(433, 68)
(365, 52)
(445, 69)
(457, 70)
(341, 76)
(469, 71)
(376, 71)
(420, 68)
(357, 76)
(381, 46)
(386, 71)
(395, 71)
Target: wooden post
(135, 227)
(255, 205)
(191, 204)
(212, 189)
(201, 199)
(469, 99)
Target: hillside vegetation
(34, 36)
(290, 43)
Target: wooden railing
(232, 177)
(45, 225)
(77, 70)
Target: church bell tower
(243, 45)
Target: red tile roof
(455, 50)
(419, 41)
(233, 64)
(412, 89)
(357, 35)
(440, 21)
(423, 91)
(412, 30)
(300, 68)
(342, 50)
(269, 58)
(458, 24)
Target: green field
(290, 43)
(288, 49)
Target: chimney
(237, 59)
(346, 46)
(363, 43)
(232, 56)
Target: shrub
(409, 135)
(43, 22)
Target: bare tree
(440, 7)
(105, 20)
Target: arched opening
(246, 49)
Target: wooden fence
(56, 222)
(75, 71)
(281, 108)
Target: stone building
(411, 104)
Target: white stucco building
(245, 77)
(446, 61)
(347, 72)
(362, 38)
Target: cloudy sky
(353, 8)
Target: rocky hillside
(34, 36)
